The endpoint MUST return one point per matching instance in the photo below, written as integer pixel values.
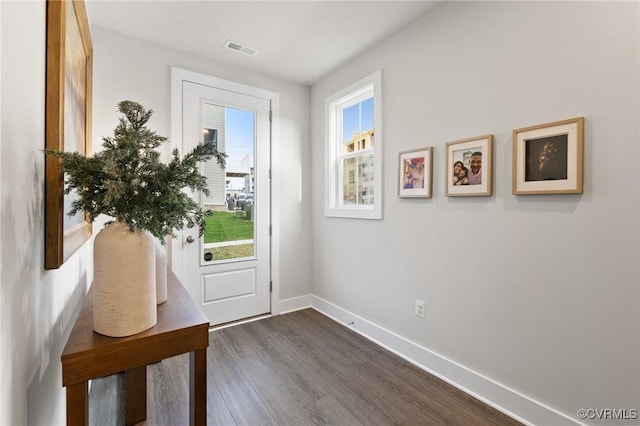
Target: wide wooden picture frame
(548, 158)
(68, 122)
(415, 173)
(469, 167)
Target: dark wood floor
(297, 369)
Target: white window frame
(334, 105)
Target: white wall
(131, 68)
(539, 293)
(549, 303)
(37, 306)
(4, 397)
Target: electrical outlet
(421, 308)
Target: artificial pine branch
(127, 181)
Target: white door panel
(227, 273)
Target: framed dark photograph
(415, 173)
(548, 158)
(469, 167)
(68, 122)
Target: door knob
(190, 239)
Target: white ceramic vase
(124, 282)
(161, 273)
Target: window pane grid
(352, 120)
(355, 154)
(357, 180)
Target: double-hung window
(354, 151)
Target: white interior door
(227, 270)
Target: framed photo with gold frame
(469, 167)
(68, 122)
(415, 172)
(548, 158)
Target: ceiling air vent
(239, 47)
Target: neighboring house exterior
(250, 182)
(238, 165)
(213, 119)
(358, 169)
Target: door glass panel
(230, 206)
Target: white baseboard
(502, 398)
(294, 304)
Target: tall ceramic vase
(124, 282)
(161, 273)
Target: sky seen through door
(239, 126)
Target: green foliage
(127, 181)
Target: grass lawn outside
(230, 252)
(225, 226)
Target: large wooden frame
(68, 122)
(548, 158)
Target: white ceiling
(296, 40)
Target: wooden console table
(181, 328)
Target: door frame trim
(178, 75)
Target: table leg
(198, 388)
(135, 395)
(78, 404)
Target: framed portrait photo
(415, 173)
(469, 167)
(548, 158)
(68, 122)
